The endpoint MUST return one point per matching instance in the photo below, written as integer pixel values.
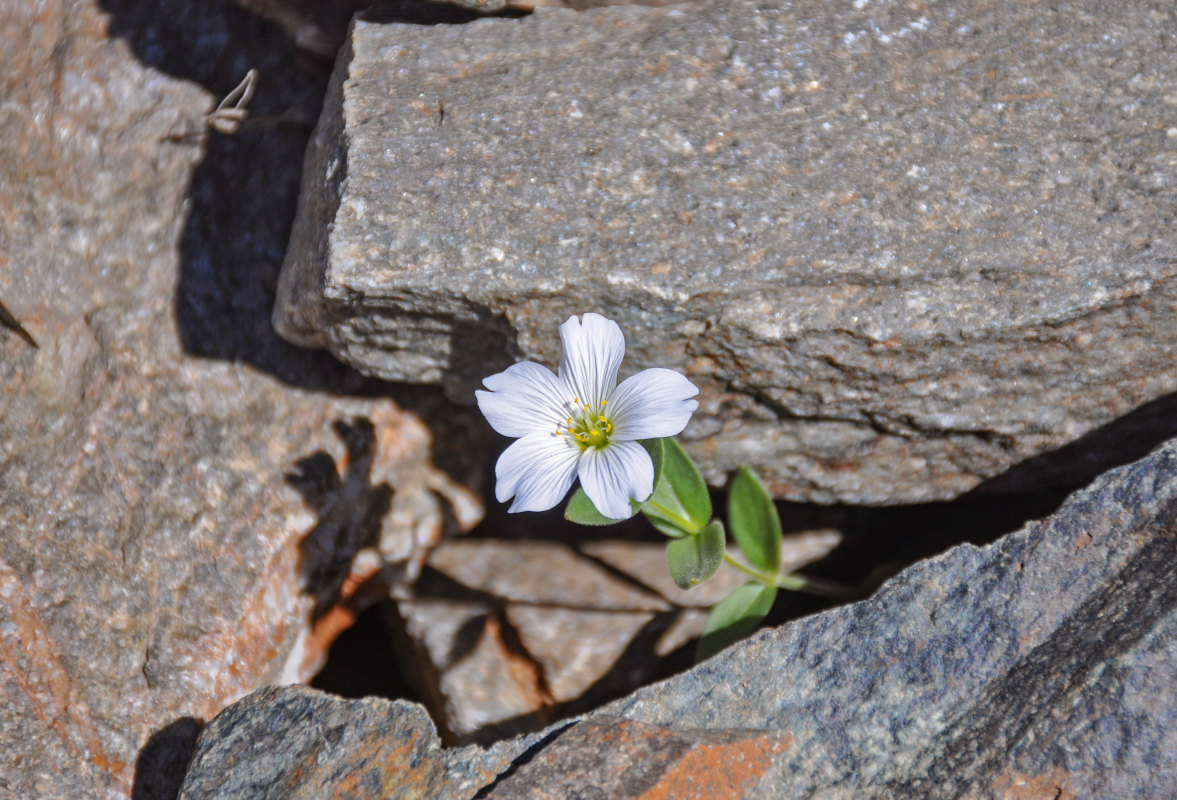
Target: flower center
(588, 426)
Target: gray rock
(173, 527)
(1040, 661)
(900, 247)
(293, 742)
(1039, 666)
(620, 758)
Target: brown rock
(174, 530)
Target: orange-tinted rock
(627, 760)
(179, 504)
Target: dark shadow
(13, 324)
(349, 510)
(363, 661)
(163, 761)
(1121, 441)
(525, 758)
(244, 193)
(878, 542)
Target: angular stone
(646, 563)
(293, 742)
(469, 674)
(900, 247)
(539, 572)
(174, 529)
(1039, 666)
(1038, 661)
(525, 626)
(576, 648)
(518, 633)
(620, 758)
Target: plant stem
(792, 582)
(684, 524)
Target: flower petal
(538, 470)
(612, 475)
(526, 398)
(652, 404)
(593, 349)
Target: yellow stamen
(589, 429)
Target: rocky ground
(916, 255)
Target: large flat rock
(1040, 666)
(174, 529)
(901, 247)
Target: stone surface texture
(1039, 666)
(506, 636)
(900, 246)
(293, 743)
(612, 757)
(174, 529)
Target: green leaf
(655, 448)
(694, 559)
(736, 616)
(680, 503)
(756, 527)
(581, 510)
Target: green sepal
(694, 559)
(580, 509)
(736, 616)
(756, 526)
(680, 503)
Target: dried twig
(232, 111)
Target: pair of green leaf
(756, 527)
(679, 506)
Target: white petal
(614, 474)
(527, 398)
(593, 349)
(538, 470)
(654, 403)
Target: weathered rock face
(899, 246)
(293, 742)
(1039, 666)
(502, 637)
(173, 529)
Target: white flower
(581, 424)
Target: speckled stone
(620, 758)
(1039, 666)
(294, 743)
(900, 246)
(175, 517)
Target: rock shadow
(163, 761)
(244, 193)
(349, 508)
(880, 541)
